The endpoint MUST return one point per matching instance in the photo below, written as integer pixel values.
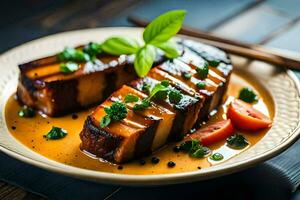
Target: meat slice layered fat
(144, 131)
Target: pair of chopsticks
(251, 51)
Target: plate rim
(159, 179)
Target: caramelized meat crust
(145, 131)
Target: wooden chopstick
(251, 51)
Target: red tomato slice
(245, 117)
(214, 133)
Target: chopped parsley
(69, 67)
(160, 91)
(194, 149)
(248, 95)
(145, 103)
(146, 88)
(26, 112)
(56, 133)
(186, 75)
(237, 141)
(201, 84)
(202, 71)
(92, 49)
(131, 98)
(74, 55)
(105, 121)
(214, 63)
(217, 157)
(175, 96)
(116, 112)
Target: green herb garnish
(116, 112)
(248, 95)
(145, 103)
(120, 45)
(26, 112)
(131, 98)
(146, 88)
(201, 85)
(202, 71)
(186, 75)
(105, 121)
(217, 157)
(56, 133)
(160, 91)
(156, 35)
(194, 148)
(237, 141)
(92, 49)
(214, 63)
(175, 96)
(69, 67)
(144, 60)
(169, 48)
(72, 54)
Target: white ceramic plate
(281, 85)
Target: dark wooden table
(274, 23)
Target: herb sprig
(56, 133)
(116, 112)
(194, 148)
(237, 141)
(160, 91)
(156, 35)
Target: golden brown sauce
(30, 131)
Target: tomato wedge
(213, 133)
(245, 117)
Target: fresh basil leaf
(165, 83)
(146, 87)
(169, 48)
(105, 121)
(69, 67)
(164, 27)
(144, 60)
(120, 45)
(129, 98)
(56, 133)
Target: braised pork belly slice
(155, 111)
(44, 87)
(215, 84)
(121, 140)
(186, 110)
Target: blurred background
(273, 23)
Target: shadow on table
(260, 182)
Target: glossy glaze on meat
(145, 127)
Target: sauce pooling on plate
(31, 131)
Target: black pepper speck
(74, 116)
(142, 162)
(176, 149)
(155, 160)
(171, 164)
(120, 167)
